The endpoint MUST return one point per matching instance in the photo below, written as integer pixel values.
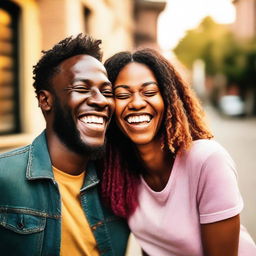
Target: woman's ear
(45, 100)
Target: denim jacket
(30, 206)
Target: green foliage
(239, 63)
(250, 69)
(221, 51)
(205, 42)
(233, 61)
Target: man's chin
(89, 146)
(93, 147)
(97, 152)
(78, 146)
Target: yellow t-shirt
(76, 236)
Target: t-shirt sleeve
(218, 194)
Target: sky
(181, 15)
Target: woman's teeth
(138, 119)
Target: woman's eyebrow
(121, 86)
(127, 87)
(149, 83)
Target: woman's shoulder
(207, 159)
(203, 149)
(206, 147)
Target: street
(238, 136)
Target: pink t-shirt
(202, 188)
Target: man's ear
(45, 100)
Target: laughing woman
(176, 186)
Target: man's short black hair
(69, 47)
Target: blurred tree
(233, 60)
(238, 64)
(222, 53)
(205, 42)
(250, 70)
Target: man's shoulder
(12, 163)
(21, 151)
(14, 153)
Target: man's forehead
(81, 62)
(80, 68)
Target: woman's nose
(137, 102)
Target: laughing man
(49, 203)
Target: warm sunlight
(181, 15)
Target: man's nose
(137, 102)
(98, 99)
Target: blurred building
(245, 28)
(29, 26)
(146, 13)
(245, 24)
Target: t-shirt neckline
(168, 185)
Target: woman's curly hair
(182, 123)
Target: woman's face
(139, 104)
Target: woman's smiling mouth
(138, 119)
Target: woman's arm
(221, 238)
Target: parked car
(232, 105)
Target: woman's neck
(157, 164)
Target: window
(87, 19)
(9, 86)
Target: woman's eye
(150, 93)
(122, 96)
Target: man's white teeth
(92, 119)
(139, 119)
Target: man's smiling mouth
(92, 119)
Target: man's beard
(65, 128)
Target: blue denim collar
(91, 178)
(40, 166)
(39, 162)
